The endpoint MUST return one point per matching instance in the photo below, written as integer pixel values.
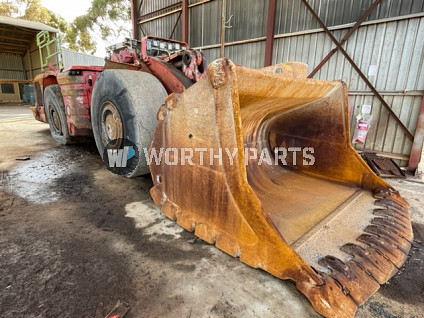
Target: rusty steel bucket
(259, 163)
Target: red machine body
(76, 84)
(172, 62)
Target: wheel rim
(112, 130)
(55, 120)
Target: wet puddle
(34, 179)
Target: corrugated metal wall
(69, 58)
(392, 41)
(11, 67)
(31, 60)
(164, 26)
(396, 48)
(206, 19)
(75, 58)
(293, 16)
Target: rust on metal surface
(352, 277)
(384, 164)
(380, 231)
(258, 211)
(373, 262)
(383, 167)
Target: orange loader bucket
(259, 163)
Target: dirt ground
(75, 238)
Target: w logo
(119, 157)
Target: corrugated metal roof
(26, 24)
(76, 58)
(17, 35)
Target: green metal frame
(44, 41)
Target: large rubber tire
(133, 98)
(54, 109)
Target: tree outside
(105, 19)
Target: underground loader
(329, 223)
(257, 162)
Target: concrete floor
(74, 238)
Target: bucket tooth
(403, 229)
(156, 195)
(299, 207)
(355, 281)
(170, 210)
(372, 261)
(395, 239)
(186, 221)
(228, 245)
(392, 203)
(391, 195)
(328, 299)
(205, 233)
(387, 248)
(403, 217)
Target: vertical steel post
(134, 18)
(269, 46)
(417, 145)
(30, 64)
(184, 16)
(223, 18)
